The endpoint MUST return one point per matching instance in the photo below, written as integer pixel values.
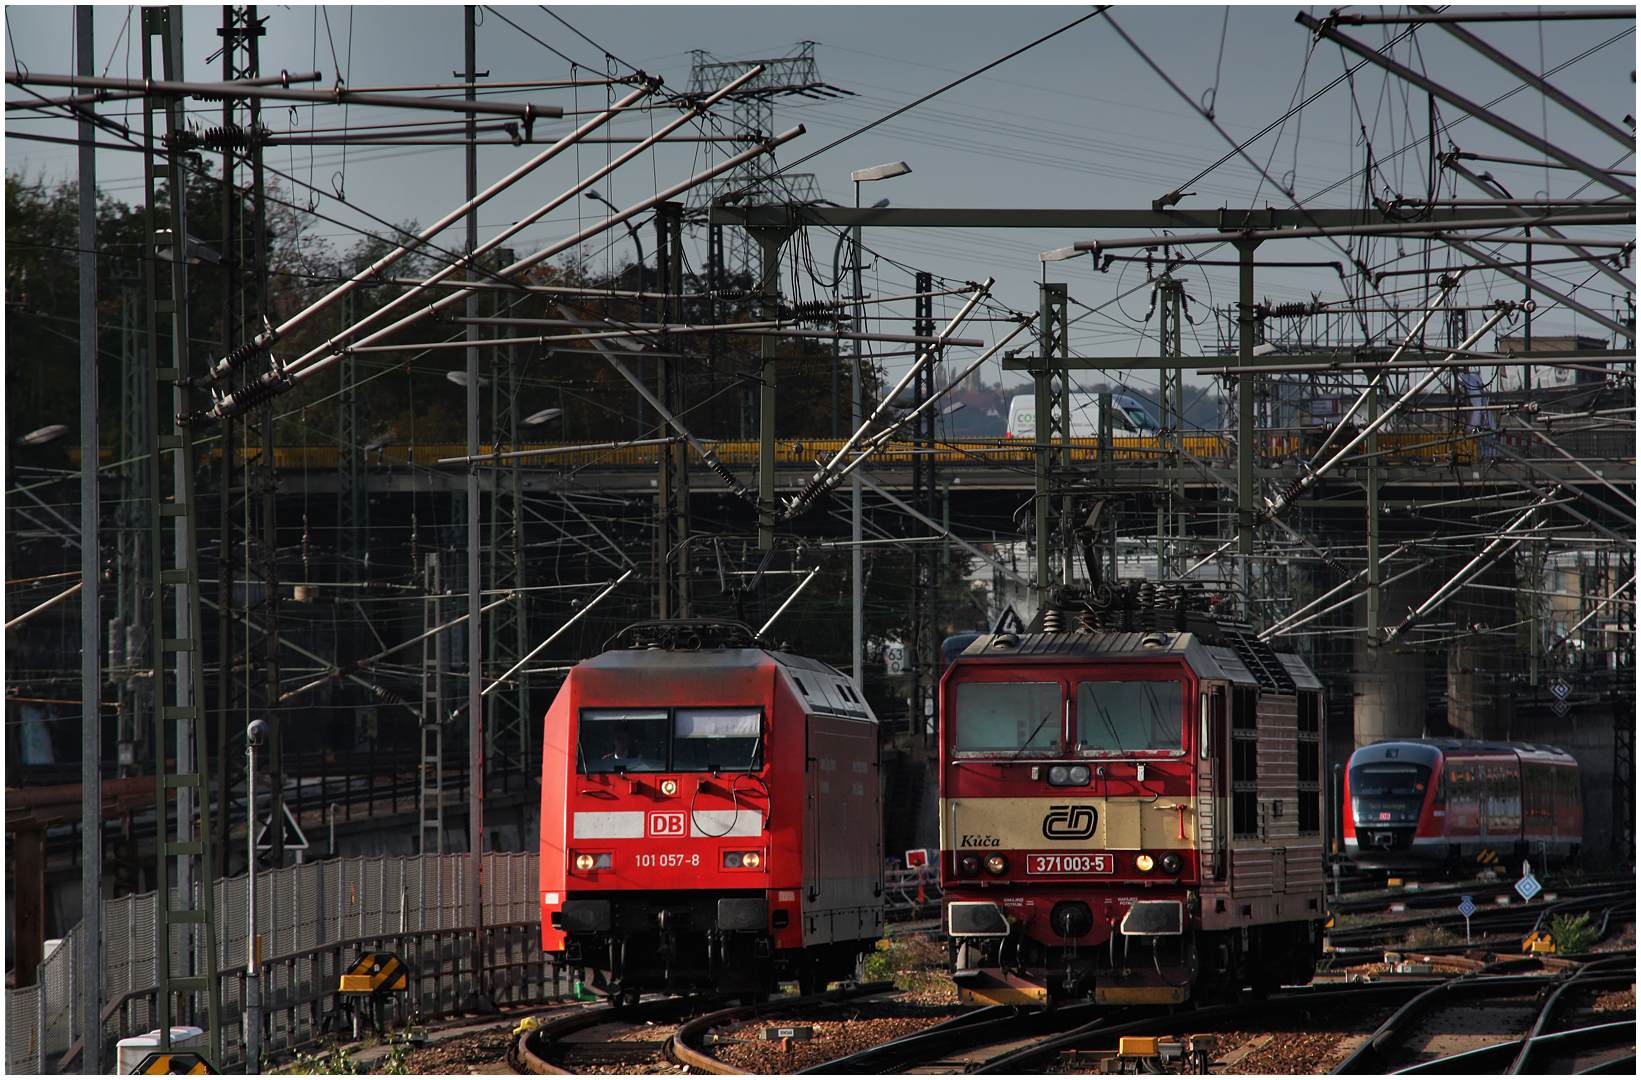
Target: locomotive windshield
(670, 740)
(1388, 792)
(1008, 717)
(1117, 717)
(709, 739)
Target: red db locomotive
(1454, 804)
(1131, 805)
(710, 816)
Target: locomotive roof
(1208, 661)
(818, 683)
(1472, 745)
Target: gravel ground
(1303, 1042)
(463, 1054)
(839, 1029)
(1616, 1000)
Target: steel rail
(534, 1048)
(960, 1032)
(1027, 1059)
(682, 1048)
(1372, 1055)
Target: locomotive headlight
(1171, 862)
(968, 865)
(1068, 775)
(1144, 862)
(997, 864)
(600, 861)
(584, 863)
(752, 859)
(743, 860)
(669, 787)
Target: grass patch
(1573, 934)
(914, 962)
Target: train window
(707, 740)
(1008, 717)
(623, 740)
(1114, 717)
(1388, 792)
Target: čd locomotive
(1453, 804)
(710, 816)
(1130, 804)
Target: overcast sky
(1077, 121)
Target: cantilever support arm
(1577, 108)
(554, 636)
(1601, 176)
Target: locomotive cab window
(1008, 717)
(708, 740)
(1117, 717)
(1388, 791)
(623, 740)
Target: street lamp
(857, 565)
(639, 244)
(877, 172)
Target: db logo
(667, 825)
(1069, 822)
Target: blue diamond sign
(1467, 907)
(1528, 887)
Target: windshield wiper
(1029, 738)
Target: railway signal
(1467, 908)
(1528, 886)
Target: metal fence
(315, 919)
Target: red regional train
(710, 816)
(1447, 804)
(1131, 805)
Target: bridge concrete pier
(1388, 683)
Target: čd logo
(1069, 822)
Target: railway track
(1448, 897)
(604, 1036)
(1521, 919)
(1499, 1025)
